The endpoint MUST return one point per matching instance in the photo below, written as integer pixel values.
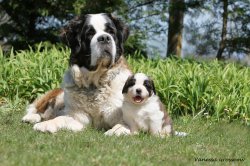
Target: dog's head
(95, 39)
(138, 88)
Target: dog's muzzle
(105, 44)
(104, 51)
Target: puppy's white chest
(141, 118)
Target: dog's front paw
(118, 130)
(77, 75)
(32, 118)
(45, 127)
(75, 126)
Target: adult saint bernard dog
(92, 86)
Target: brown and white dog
(142, 109)
(92, 88)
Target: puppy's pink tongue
(138, 99)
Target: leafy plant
(211, 90)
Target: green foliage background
(211, 90)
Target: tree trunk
(175, 27)
(222, 44)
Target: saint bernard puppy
(142, 109)
(92, 88)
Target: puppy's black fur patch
(129, 83)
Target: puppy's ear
(130, 82)
(153, 86)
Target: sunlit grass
(20, 145)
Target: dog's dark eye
(111, 31)
(90, 33)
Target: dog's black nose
(138, 91)
(104, 39)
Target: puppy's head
(138, 88)
(94, 40)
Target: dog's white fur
(32, 116)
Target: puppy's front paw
(180, 134)
(118, 130)
(45, 127)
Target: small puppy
(142, 108)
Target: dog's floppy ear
(71, 33)
(153, 86)
(122, 32)
(71, 36)
(130, 82)
(122, 28)
(149, 85)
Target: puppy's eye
(147, 84)
(130, 82)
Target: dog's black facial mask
(78, 34)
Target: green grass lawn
(20, 145)
(209, 100)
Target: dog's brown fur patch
(166, 119)
(48, 98)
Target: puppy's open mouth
(138, 99)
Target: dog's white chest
(103, 103)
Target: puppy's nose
(138, 91)
(104, 39)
